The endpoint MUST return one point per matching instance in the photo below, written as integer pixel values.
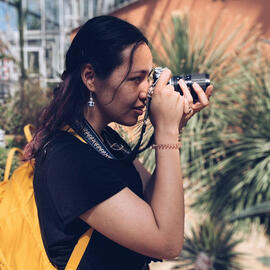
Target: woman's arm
(153, 229)
(147, 179)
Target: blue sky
(8, 17)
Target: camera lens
(201, 79)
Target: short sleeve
(77, 180)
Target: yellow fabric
(28, 132)
(76, 255)
(71, 131)
(10, 157)
(21, 245)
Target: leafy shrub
(23, 108)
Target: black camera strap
(86, 131)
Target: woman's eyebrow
(144, 71)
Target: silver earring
(91, 102)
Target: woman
(136, 216)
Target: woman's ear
(88, 77)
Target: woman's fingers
(163, 79)
(209, 91)
(186, 106)
(188, 99)
(186, 91)
(199, 105)
(203, 99)
(189, 108)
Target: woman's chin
(128, 122)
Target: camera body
(202, 79)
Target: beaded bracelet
(167, 146)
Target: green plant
(214, 243)
(236, 160)
(258, 210)
(23, 108)
(253, 211)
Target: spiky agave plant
(253, 211)
(211, 246)
(237, 159)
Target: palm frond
(254, 211)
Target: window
(34, 42)
(33, 62)
(33, 20)
(52, 15)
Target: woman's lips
(139, 110)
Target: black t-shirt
(70, 178)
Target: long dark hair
(100, 42)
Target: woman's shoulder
(64, 140)
(64, 145)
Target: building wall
(149, 15)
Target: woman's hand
(167, 105)
(189, 108)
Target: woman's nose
(144, 90)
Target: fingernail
(195, 84)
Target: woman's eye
(136, 79)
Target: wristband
(167, 146)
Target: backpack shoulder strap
(79, 250)
(28, 131)
(81, 246)
(10, 157)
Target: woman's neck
(95, 120)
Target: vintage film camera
(202, 79)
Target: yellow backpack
(21, 245)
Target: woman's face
(125, 103)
